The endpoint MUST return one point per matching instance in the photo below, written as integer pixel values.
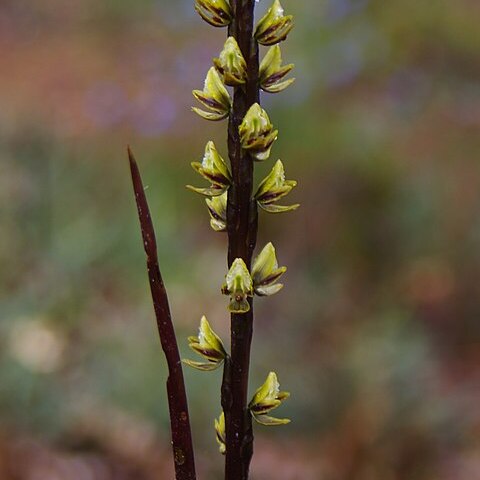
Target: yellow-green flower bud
(265, 272)
(272, 73)
(220, 433)
(214, 12)
(272, 188)
(238, 285)
(214, 96)
(230, 64)
(274, 26)
(267, 398)
(217, 208)
(208, 345)
(214, 169)
(256, 132)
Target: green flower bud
(272, 73)
(238, 286)
(256, 132)
(208, 345)
(214, 96)
(214, 169)
(220, 433)
(267, 398)
(214, 12)
(217, 208)
(230, 64)
(274, 26)
(265, 272)
(272, 188)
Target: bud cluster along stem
(232, 203)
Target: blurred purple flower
(408, 91)
(190, 64)
(106, 104)
(339, 9)
(154, 114)
(345, 60)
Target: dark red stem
(177, 399)
(242, 236)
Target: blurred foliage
(377, 332)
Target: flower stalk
(242, 226)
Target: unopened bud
(274, 26)
(208, 345)
(272, 188)
(256, 132)
(265, 272)
(238, 285)
(217, 208)
(221, 434)
(214, 169)
(215, 12)
(214, 97)
(230, 64)
(272, 73)
(267, 398)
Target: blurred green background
(377, 333)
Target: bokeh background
(377, 333)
